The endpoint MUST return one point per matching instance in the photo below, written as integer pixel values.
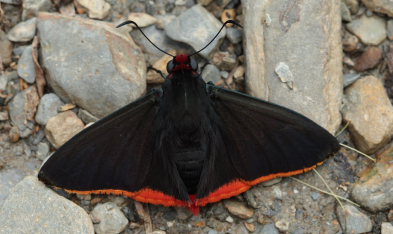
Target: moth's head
(182, 62)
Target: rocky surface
(288, 48)
(292, 28)
(80, 74)
(34, 208)
(369, 112)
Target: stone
(32, 7)
(268, 229)
(250, 227)
(23, 108)
(353, 5)
(352, 220)
(3, 115)
(224, 60)
(238, 209)
(345, 13)
(24, 31)
(274, 32)
(234, 35)
(153, 77)
(211, 73)
(369, 112)
(86, 117)
(62, 127)
(370, 30)
(109, 217)
(196, 27)
(239, 73)
(97, 9)
(380, 6)
(48, 107)
(26, 67)
(42, 150)
(284, 74)
(350, 42)
(350, 78)
(282, 225)
(386, 228)
(368, 59)
(5, 48)
(142, 19)
(390, 29)
(228, 14)
(31, 207)
(99, 69)
(374, 188)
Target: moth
(189, 144)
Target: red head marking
(182, 58)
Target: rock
(62, 127)
(32, 7)
(86, 117)
(228, 14)
(33, 208)
(369, 112)
(350, 42)
(390, 215)
(369, 59)
(374, 188)
(380, 6)
(284, 32)
(5, 48)
(238, 209)
(352, 220)
(284, 74)
(224, 60)
(211, 73)
(42, 150)
(14, 134)
(23, 31)
(153, 77)
(345, 13)
(110, 218)
(239, 73)
(250, 227)
(196, 27)
(14, 2)
(349, 78)
(268, 229)
(370, 30)
(101, 68)
(3, 115)
(26, 67)
(142, 19)
(97, 9)
(234, 35)
(22, 109)
(48, 107)
(282, 225)
(386, 228)
(9, 177)
(353, 5)
(390, 29)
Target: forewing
(114, 155)
(261, 141)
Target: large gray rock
(33, 208)
(196, 27)
(90, 63)
(353, 220)
(306, 37)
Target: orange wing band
(231, 189)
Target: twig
(359, 152)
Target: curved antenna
(136, 25)
(222, 27)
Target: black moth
(188, 144)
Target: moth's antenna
(226, 22)
(136, 25)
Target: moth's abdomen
(189, 164)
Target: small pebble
(386, 228)
(238, 209)
(26, 67)
(23, 31)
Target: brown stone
(228, 14)
(369, 59)
(63, 127)
(250, 226)
(5, 48)
(374, 188)
(368, 110)
(350, 42)
(238, 209)
(154, 77)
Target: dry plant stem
(342, 130)
(144, 214)
(330, 190)
(325, 192)
(359, 152)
